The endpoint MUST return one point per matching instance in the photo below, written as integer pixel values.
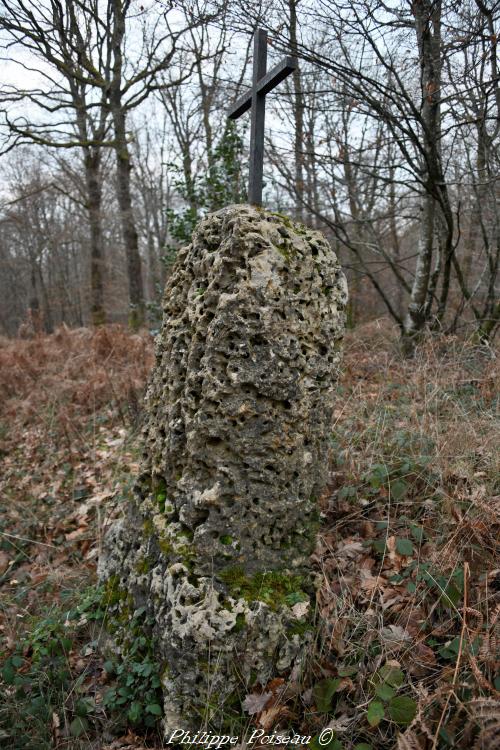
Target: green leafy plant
(38, 680)
(401, 709)
(137, 689)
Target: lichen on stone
(216, 543)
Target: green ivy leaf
(347, 671)
(392, 675)
(404, 547)
(402, 709)
(399, 488)
(362, 746)
(155, 709)
(379, 546)
(450, 650)
(135, 711)
(375, 713)
(109, 667)
(384, 691)
(78, 726)
(323, 693)
(451, 596)
(8, 674)
(417, 532)
(83, 707)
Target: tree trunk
(427, 25)
(123, 169)
(129, 231)
(94, 200)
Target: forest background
(115, 141)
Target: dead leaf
(300, 609)
(254, 703)
(77, 534)
(268, 718)
(394, 635)
(4, 562)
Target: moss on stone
(271, 587)
(160, 499)
(300, 627)
(112, 593)
(143, 566)
(165, 546)
(240, 623)
(295, 226)
(284, 250)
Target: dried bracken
(412, 498)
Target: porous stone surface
(216, 543)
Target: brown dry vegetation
(408, 555)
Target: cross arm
(276, 75)
(240, 106)
(264, 86)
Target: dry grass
(408, 554)
(410, 547)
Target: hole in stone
(201, 516)
(213, 441)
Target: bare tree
(93, 45)
(64, 114)
(369, 53)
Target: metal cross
(262, 84)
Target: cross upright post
(262, 84)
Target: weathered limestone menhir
(216, 543)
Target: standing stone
(215, 545)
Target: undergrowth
(409, 605)
(51, 693)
